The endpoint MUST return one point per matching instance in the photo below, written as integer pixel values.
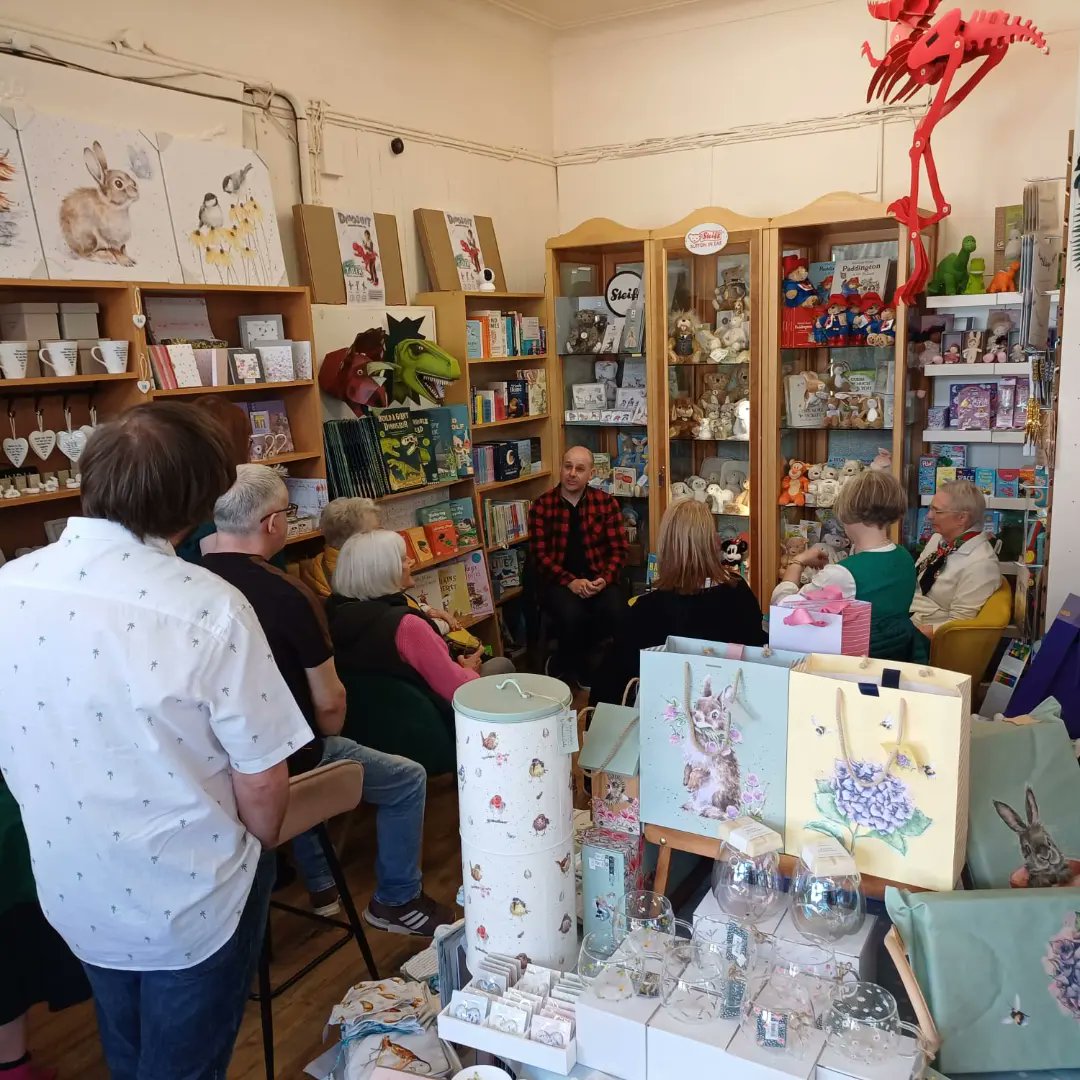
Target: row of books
(505, 522)
(507, 570)
(461, 588)
(525, 395)
(182, 365)
(446, 528)
(497, 333)
(397, 449)
(506, 460)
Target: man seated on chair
(251, 526)
(578, 548)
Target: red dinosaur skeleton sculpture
(926, 53)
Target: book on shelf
(477, 585)
(309, 495)
(505, 521)
(416, 540)
(426, 589)
(442, 537)
(601, 471)
(399, 449)
(463, 515)
(857, 277)
(245, 367)
(421, 425)
(536, 389)
(277, 361)
(474, 339)
(270, 429)
(492, 333)
(442, 444)
(524, 453)
(454, 590)
(517, 398)
(485, 409)
(507, 570)
(461, 438)
(213, 365)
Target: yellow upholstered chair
(966, 645)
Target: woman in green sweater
(877, 570)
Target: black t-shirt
(293, 619)
(574, 561)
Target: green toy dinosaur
(951, 276)
(418, 369)
(976, 285)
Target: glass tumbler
(610, 971)
(693, 983)
(778, 1014)
(814, 966)
(736, 941)
(862, 1022)
(748, 887)
(826, 907)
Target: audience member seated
(376, 630)
(251, 527)
(340, 519)
(145, 740)
(696, 596)
(877, 570)
(577, 546)
(958, 569)
(37, 966)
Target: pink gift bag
(821, 621)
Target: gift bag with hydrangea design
(713, 744)
(882, 753)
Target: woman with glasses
(958, 570)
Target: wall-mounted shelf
(44, 497)
(981, 300)
(954, 435)
(993, 502)
(509, 421)
(532, 358)
(233, 388)
(60, 382)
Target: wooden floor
(68, 1040)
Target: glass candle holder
(826, 907)
(778, 1015)
(749, 888)
(610, 971)
(693, 983)
(862, 1022)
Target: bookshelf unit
(22, 519)
(452, 310)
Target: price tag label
(566, 730)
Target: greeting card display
(883, 752)
(516, 818)
(713, 718)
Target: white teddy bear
(718, 497)
(828, 487)
(680, 491)
(698, 486)
(813, 476)
(849, 470)
(742, 419)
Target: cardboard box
(833, 1065)
(320, 259)
(439, 257)
(613, 1036)
(30, 322)
(748, 1061)
(709, 908)
(79, 319)
(677, 1050)
(559, 1060)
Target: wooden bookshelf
(510, 422)
(119, 304)
(500, 485)
(508, 544)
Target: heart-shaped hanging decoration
(43, 442)
(15, 450)
(72, 444)
(144, 386)
(139, 319)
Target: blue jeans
(181, 1025)
(398, 787)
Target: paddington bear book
(857, 277)
(400, 448)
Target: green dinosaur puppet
(417, 369)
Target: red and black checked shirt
(602, 535)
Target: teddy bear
(997, 339)
(797, 289)
(707, 418)
(731, 289)
(849, 470)
(735, 338)
(883, 460)
(718, 497)
(742, 500)
(834, 540)
(738, 384)
(587, 332)
(712, 346)
(813, 475)
(725, 428)
(679, 491)
(794, 485)
(828, 487)
(682, 344)
(697, 486)
(871, 413)
(683, 417)
(607, 372)
(714, 388)
(742, 419)
(793, 545)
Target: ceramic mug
(266, 445)
(112, 355)
(14, 356)
(61, 356)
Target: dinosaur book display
(399, 447)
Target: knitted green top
(886, 579)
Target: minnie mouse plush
(733, 552)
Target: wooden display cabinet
(839, 226)
(698, 428)
(580, 263)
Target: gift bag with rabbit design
(713, 746)
(883, 765)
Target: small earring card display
(457, 249)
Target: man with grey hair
(252, 527)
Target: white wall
(455, 68)
(722, 65)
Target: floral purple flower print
(1062, 964)
(675, 718)
(858, 803)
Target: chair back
(967, 645)
(320, 794)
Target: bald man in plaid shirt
(578, 547)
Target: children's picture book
(463, 515)
(476, 582)
(442, 538)
(442, 444)
(821, 277)
(361, 264)
(454, 590)
(419, 544)
(422, 429)
(857, 277)
(399, 447)
(270, 429)
(461, 438)
(466, 250)
(536, 381)
(623, 481)
(426, 588)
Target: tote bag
(880, 760)
(713, 742)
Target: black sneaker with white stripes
(419, 916)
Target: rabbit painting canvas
(223, 215)
(97, 217)
(20, 247)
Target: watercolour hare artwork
(1043, 859)
(96, 221)
(711, 771)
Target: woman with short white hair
(377, 630)
(958, 569)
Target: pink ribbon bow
(801, 617)
(829, 599)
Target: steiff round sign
(623, 292)
(706, 239)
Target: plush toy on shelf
(797, 288)
(952, 355)
(683, 417)
(951, 276)
(793, 546)
(735, 336)
(850, 469)
(712, 346)
(834, 540)
(976, 284)
(733, 552)
(828, 487)
(697, 486)
(725, 427)
(972, 347)
(813, 475)
(731, 290)
(742, 419)
(794, 485)
(1005, 280)
(883, 334)
(858, 324)
(679, 490)
(883, 460)
(682, 343)
(630, 522)
(587, 333)
(997, 339)
(718, 497)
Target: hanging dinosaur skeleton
(924, 53)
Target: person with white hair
(376, 629)
(251, 527)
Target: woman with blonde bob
(877, 570)
(375, 629)
(696, 596)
